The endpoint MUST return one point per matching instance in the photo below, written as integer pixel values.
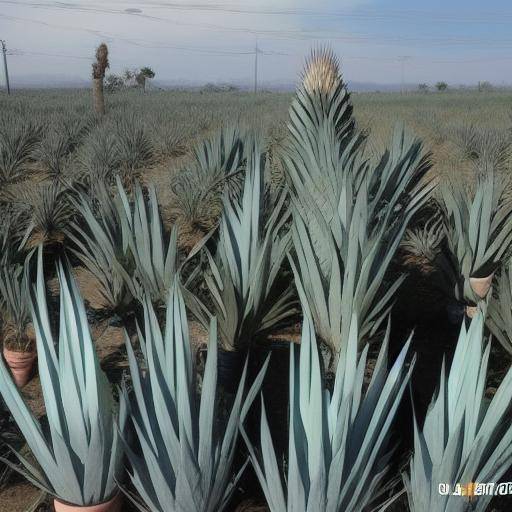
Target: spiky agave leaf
(338, 449)
(79, 455)
(243, 274)
(499, 312)
(466, 437)
(478, 231)
(186, 449)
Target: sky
(200, 41)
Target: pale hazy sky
(460, 41)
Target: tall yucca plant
(338, 450)
(466, 437)
(99, 67)
(186, 450)
(79, 454)
(349, 216)
(243, 275)
(479, 232)
(499, 312)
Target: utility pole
(4, 52)
(256, 51)
(403, 59)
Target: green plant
(499, 312)
(79, 454)
(154, 254)
(102, 246)
(466, 436)
(349, 215)
(338, 453)
(45, 213)
(243, 277)
(218, 161)
(422, 244)
(133, 146)
(186, 446)
(478, 233)
(18, 140)
(14, 307)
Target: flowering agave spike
(338, 449)
(499, 319)
(79, 455)
(186, 450)
(466, 438)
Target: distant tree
(485, 86)
(143, 75)
(423, 87)
(114, 83)
(441, 86)
(98, 74)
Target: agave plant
(14, 307)
(79, 454)
(243, 275)
(186, 448)
(349, 216)
(466, 437)
(133, 146)
(102, 247)
(478, 232)
(18, 140)
(499, 312)
(198, 189)
(338, 443)
(46, 211)
(422, 244)
(155, 255)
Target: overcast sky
(460, 41)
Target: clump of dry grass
(321, 72)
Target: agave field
(222, 301)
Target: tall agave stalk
(98, 74)
(79, 454)
(338, 443)
(243, 274)
(466, 437)
(499, 312)
(479, 233)
(186, 449)
(349, 216)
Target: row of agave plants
(335, 227)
